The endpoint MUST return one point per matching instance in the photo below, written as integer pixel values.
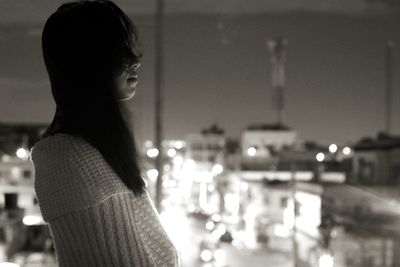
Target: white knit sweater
(94, 219)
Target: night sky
(217, 71)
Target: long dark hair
(86, 44)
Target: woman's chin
(132, 95)
(127, 96)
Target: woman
(87, 179)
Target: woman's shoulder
(57, 142)
(71, 172)
(62, 148)
(53, 151)
(68, 152)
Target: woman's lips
(132, 79)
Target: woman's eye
(134, 66)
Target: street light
(217, 169)
(171, 152)
(178, 160)
(320, 157)
(32, 220)
(152, 152)
(325, 260)
(251, 151)
(189, 164)
(219, 255)
(346, 150)
(206, 255)
(333, 148)
(22, 153)
(179, 145)
(210, 225)
(152, 174)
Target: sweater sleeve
(108, 234)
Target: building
(276, 152)
(203, 161)
(207, 146)
(16, 170)
(356, 225)
(16, 135)
(261, 141)
(377, 161)
(19, 210)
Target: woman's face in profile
(126, 83)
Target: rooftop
(383, 141)
(270, 127)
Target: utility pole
(388, 85)
(159, 28)
(295, 208)
(25, 140)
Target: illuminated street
(192, 232)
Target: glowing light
(252, 151)
(206, 255)
(217, 169)
(346, 150)
(176, 224)
(232, 203)
(222, 229)
(152, 174)
(281, 231)
(336, 177)
(244, 186)
(216, 217)
(320, 157)
(288, 215)
(248, 236)
(167, 167)
(5, 158)
(32, 220)
(178, 144)
(189, 164)
(210, 225)
(232, 219)
(332, 148)
(15, 172)
(169, 183)
(219, 231)
(8, 264)
(219, 255)
(148, 143)
(178, 160)
(191, 208)
(236, 243)
(211, 188)
(22, 153)
(171, 152)
(203, 195)
(152, 152)
(309, 214)
(325, 261)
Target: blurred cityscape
(267, 198)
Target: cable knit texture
(94, 219)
